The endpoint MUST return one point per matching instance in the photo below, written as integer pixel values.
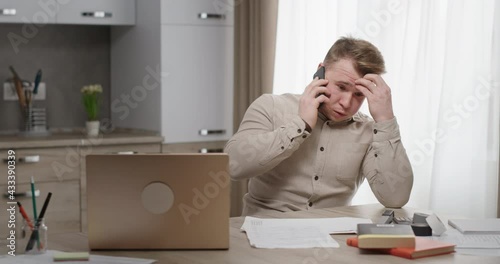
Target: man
(314, 150)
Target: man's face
(345, 99)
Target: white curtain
(442, 59)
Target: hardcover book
(423, 248)
(385, 236)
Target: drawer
(197, 147)
(44, 164)
(27, 11)
(97, 12)
(63, 211)
(197, 12)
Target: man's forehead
(344, 70)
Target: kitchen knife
(19, 87)
(38, 78)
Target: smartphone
(320, 73)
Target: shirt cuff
(386, 130)
(297, 130)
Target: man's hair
(365, 56)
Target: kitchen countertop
(78, 138)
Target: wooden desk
(241, 252)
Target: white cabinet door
(96, 12)
(197, 86)
(197, 12)
(28, 11)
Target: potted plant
(91, 98)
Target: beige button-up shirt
(291, 169)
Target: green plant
(91, 98)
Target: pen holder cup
(33, 241)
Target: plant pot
(92, 128)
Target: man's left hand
(378, 94)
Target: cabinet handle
(130, 152)
(214, 150)
(97, 14)
(26, 159)
(26, 194)
(206, 132)
(8, 12)
(211, 16)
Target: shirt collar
(355, 118)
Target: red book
(423, 248)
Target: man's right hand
(314, 94)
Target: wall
(69, 56)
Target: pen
(25, 216)
(34, 235)
(44, 207)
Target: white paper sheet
(338, 225)
(298, 232)
(48, 258)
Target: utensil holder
(35, 121)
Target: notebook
(158, 201)
(385, 236)
(423, 248)
(476, 226)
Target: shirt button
(291, 140)
(375, 131)
(310, 204)
(316, 177)
(282, 148)
(376, 155)
(299, 130)
(304, 136)
(322, 148)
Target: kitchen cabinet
(27, 11)
(198, 12)
(63, 213)
(173, 71)
(57, 164)
(84, 12)
(96, 12)
(195, 147)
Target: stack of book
(397, 240)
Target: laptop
(158, 201)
